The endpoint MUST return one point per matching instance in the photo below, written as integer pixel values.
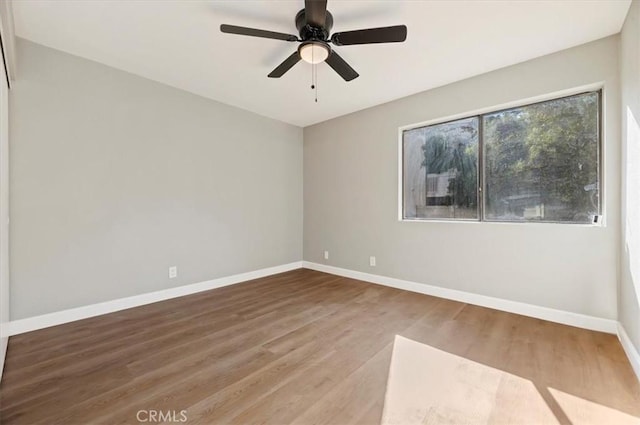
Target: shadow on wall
(632, 195)
(427, 385)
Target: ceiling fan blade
(393, 34)
(341, 67)
(315, 12)
(285, 66)
(252, 32)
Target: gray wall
(629, 293)
(351, 197)
(114, 178)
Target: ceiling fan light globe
(313, 52)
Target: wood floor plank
(352, 400)
(206, 321)
(301, 347)
(297, 362)
(217, 345)
(99, 328)
(185, 309)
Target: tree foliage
(546, 153)
(454, 149)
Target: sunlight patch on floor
(581, 411)
(431, 386)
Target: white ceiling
(179, 43)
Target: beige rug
(431, 386)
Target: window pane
(440, 170)
(541, 161)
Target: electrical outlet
(372, 261)
(173, 272)
(326, 255)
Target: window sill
(602, 223)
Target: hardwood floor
(301, 347)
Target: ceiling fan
(314, 24)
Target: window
(441, 170)
(534, 163)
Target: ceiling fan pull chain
(314, 76)
(315, 80)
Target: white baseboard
(629, 349)
(545, 313)
(52, 319)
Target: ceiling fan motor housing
(309, 32)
